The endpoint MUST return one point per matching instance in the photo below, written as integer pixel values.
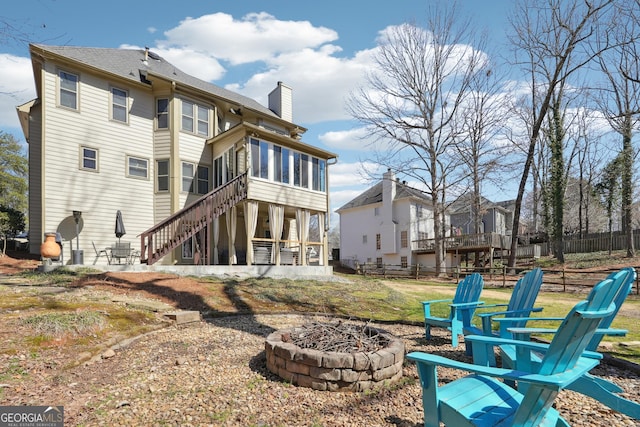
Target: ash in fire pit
(336, 356)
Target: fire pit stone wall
(334, 371)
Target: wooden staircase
(169, 234)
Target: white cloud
(254, 37)
(321, 81)
(353, 174)
(294, 52)
(16, 88)
(151, 30)
(352, 139)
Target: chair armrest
(560, 380)
(467, 304)
(426, 306)
(505, 322)
(495, 305)
(483, 348)
(612, 332)
(524, 310)
(520, 319)
(435, 300)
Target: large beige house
(201, 175)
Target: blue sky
(320, 49)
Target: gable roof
(461, 205)
(130, 64)
(373, 195)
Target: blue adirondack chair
(598, 388)
(520, 305)
(462, 307)
(480, 399)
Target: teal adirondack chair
(598, 388)
(520, 305)
(480, 399)
(462, 307)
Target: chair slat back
(469, 289)
(626, 277)
(525, 292)
(579, 326)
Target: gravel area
(213, 373)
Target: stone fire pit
(334, 370)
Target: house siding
(272, 192)
(60, 185)
(98, 195)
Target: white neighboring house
(202, 175)
(383, 223)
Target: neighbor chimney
(281, 102)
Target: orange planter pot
(49, 248)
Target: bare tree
(481, 122)
(557, 39)
(411, 99)
(619, 100)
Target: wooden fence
(557, 279)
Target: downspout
(175, 178)
(327, 219)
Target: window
(403, 262)
(68, 90)
(281, 164)
(162, 175)
(403, 239)
(364, 239)
(378, 242)
(119, 105)
(259, 159)
(217, 172)
(318, 174)
(419, 211)
(255, 157)
(137, 167)
(305, 170)
(162, 113)
(229, 164)
(203, 120)
(264, 160)
(301, 170)
(378, 262)
(89, 158)
(188, 170)
(195, 118)
(203, 180)
(376, 211)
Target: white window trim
(59, 90)
(81, 156)
(158, 190)
(167, 114)
(128, 166)
(112, 104)
(195, 118)
(191, 188)
(198, 180)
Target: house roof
(131, 64)
(373, 195)
(461, 205)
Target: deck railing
(176, 229)
(466, 241)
